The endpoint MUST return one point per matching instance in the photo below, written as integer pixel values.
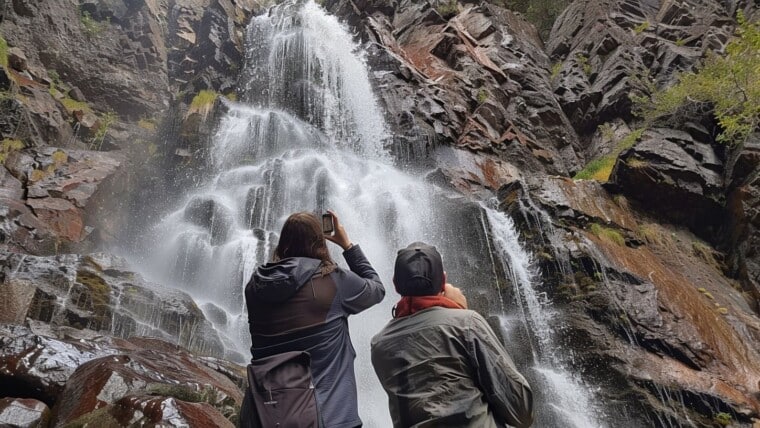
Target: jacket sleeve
(361, 288)
(508, 394)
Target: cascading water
(308, 135)
(561, 395)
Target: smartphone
(328, 226)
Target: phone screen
(327, 224)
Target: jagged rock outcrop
(603, 51)
(98, 292)
(648, 306)
(47, 193)
(474, 77)
(668, 170)
(743, 222)
(102, 381)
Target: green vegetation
(482, 96)
(232, 96)
(723, 419)
(91, 26)
(606, 130)
(59, 157)
(203, 102)
(607, 234)
(8, 146)
(3, 53)
(600, 169)
(556, 68)
(106, 120)
(583, 62)
(147, 124)
(71, 105)
(100, 292)
(641, 27)
(680, 42)
(448, 9)
(727, 85)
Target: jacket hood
(277, 281)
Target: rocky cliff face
(655, 271)
(650, 269)
(91, 98)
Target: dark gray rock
(476, 80)
(98, 292)
(668, 171)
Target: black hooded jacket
(298, 304)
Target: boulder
(38, 365)
(16, 59)
(212, 216)
(104, 381)
(23, 413)
(142, 410)
(126, 381)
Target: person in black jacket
(301, 302)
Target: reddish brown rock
(60, 215)
(159, 371)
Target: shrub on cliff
(727, 85)
(3, 53)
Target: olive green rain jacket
(446, 368)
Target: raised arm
(508, 394)
(361, 288)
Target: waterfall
(561, 396)
(308, 135)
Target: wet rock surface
(23, 413)
(476, 79)
(649, 311)
(103, 381)
(128, 380)
(98, 292)
(47, 193)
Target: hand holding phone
(328, 225)
(339, 235)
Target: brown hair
(301, 236)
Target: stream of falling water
(562, 396)
(308, 135)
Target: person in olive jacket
(301, 302)
(441, 364)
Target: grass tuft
(607, 234)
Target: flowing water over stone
(562, 398)
(309, 135)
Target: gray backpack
(282, 392)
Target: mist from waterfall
(308, 135)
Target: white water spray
(308, 135)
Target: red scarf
(412, 304)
